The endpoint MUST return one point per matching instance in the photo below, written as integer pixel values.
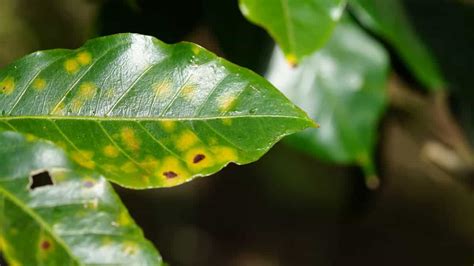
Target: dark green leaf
(343, 86)
(77, 220)
(144, 113)
(388, 19)
(299, 26)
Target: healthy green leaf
(299, 26)
(144, 113)
(343, 85)
(77, 220)
(389, 19)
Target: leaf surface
(343, 86)
(389, 19)
(144, 113)
(299, 26)
(77, 220)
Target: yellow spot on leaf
(30, 137)
(162, 89)
(84, 58)
(198, 159)
(39, 84)
(226, 102)
(150, 164)
(110, 151)
(130, 248)
(124, 219)
(13, 262)
(83, 158)
(76, 105)
(129, 168)
(224, 154)
(58, 175)
(3, 244)
(186, 140)
(188, 91)
(87, 90)
(59, 110)
(110, 168)
(196, 49)
(172, 172)
(71, 66)
(92, 204)
(168, 125)
(129, 138)
(7, 86)
(227, 121)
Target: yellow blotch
(7, 86)
(93, 204)
(129, 138)
(87, 90)
(130, 248)
(129, 168)
(83, 158)
(224, 154)
(30, 137)
(226, 102)
(84, 58)
(150, 164)
(76, 105)
(3, 244)
(110, 151)
(186, 140)
(162, 89)
(59, 110)
(110, 168)
(168, 125)
(196, 49)
(188, 91)
(227, 121)
(124, 219)
(39, 84)
(172, 171)
(198, 159)
(13, 262)
(59, 175)
(292, 60)
(71, 66)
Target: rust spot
(170, 174)
(45, 245)
(198, 158)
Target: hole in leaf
(40, 180)
(170, 174)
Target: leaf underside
(343, 86)
(77, 220)
(145, 113)
(299, 26)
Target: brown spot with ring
(45, 245)
(170, 174)
(198, 158)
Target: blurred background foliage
(406, 102)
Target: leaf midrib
(111, 118)
(40, 221)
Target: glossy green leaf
(77, 220)
(389, 19)
(299, 26)
(144, 113)
(343, 86)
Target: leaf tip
(292, 60)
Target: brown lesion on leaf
(170, 174)
(45, 245)
(198, 158)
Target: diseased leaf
(389, 19)
(144, 113)
(343, 86)
(299, 26)
(77, 220)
